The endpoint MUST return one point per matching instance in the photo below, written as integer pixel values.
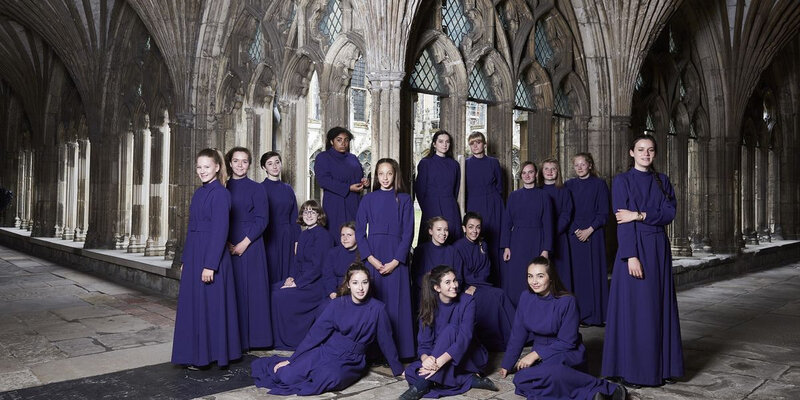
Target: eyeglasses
(309, 212)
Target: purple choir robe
(249, 218)
(589, 266)
(436, 189)
(562, 212)
(206, 323)
(428, 255)
(484, 187)
(295, 309)
(282, 230)
(494, 312)
(335, 172)
(331, 356)
(527, 230)
(552, 323)
(643, 336)
(451, 333)
(389, 218)
(337, 261)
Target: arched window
(331, 24)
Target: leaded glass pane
(478, 85)
(359, 76)
(256, 50)
(681, 88)
(147, 43)
(454, 22)
(673, 46)
(562, 107)
(639, 82)
(649, 125)
(358, 97)
(331, 23)
(544, 53)
(522, 97)
(425, 77)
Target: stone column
(613, 159)
(82, 221)
(385, 118)
(28, 172)
(773, 220)
(678, 176)
(71, 203)
(125, 190)
(762, 196)
(500, 132)
(262, 136)
(334, 107)
(62, 191)
(141, 190)
(747, 168)
(44, 189)
(294, 134)
(159, 196)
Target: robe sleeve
(459, 349)
(626, 233)
(665, 213)
(421, 183)
(319, 332)
(323, 172)
(425, 338)
(547, 222)
(506, 224)
(260, 213)
(406, 213)
(220, 202)
(386, 342)
(315, 253)
(364, 249)
(601, 205)
(483, 270)
(516, 340)
(458, 266)
(567, 336)
(565, 211)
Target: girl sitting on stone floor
(331, 357)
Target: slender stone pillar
(159, 196)
(141, 190)
(82, 221)
(71, 203)
(125, 199)
(62, 191)
(747, 168)
(775, 195)
(762, 195)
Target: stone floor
(66, 334)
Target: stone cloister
(105, 103)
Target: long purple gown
(331, 356)
(206, 323)
(484, 187)
(436, 189)
(295, 309)
(335, 172)
(643, 335)
(451, 333)
(562, 211)
(335, 266)
(282, 230)
(527, 230)
(494, 312)
(552, 323)
(389, 218)
(589, 267)
(249, 218)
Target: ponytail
(429, 299)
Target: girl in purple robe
(549, 179)
(331, 356)
(282, 230)
(340, 258)
(296, 300)
(556, 366)
(388, 215)
(494, 312)
(484, 187)
(527, 231)
(206, 324)
(643, 336)
(436, 252)
(450, 357)
(339, 174)
(249, 218)
(587, 240)
(436, 186)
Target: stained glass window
(562, 107)
(522, 97)
(425, 78)
(331, 23)
(454, 22)
(479, 85)
(544, 53)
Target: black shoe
(620, 393)
(483, 383)
(599, 396)
(413, 393)
(630, 384)
(670, 381)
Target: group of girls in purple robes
(248, 219)
(494, 312)
(643, 338)
(556, 366)
(587, 240)
(527, 231)
(384, 230)
(339, 258)
(332, 355)
(338, 172)
(296, 301)
(437, 184)
(282, 230)
(206, 321)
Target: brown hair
(229, 158)
(590, 160)
(429, 223)
(540, 175)
(535, 170)
(399, 186)
(322, 218)
(556, 288)
(432, 149)
(216, 155)
(266, 156)
(476, 135)
(343, 290)
(651, 168)
(429, 300)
